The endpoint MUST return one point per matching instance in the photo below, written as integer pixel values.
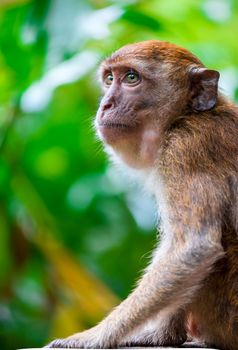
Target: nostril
(107, 106)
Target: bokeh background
(74, 231)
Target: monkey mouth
(113, 125)
(111, 132)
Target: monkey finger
(65, 344)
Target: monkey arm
(189, 247)
(167, 328)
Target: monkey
(164, 119)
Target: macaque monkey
(163, 116)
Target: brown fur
(181, 136)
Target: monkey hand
(95, 338)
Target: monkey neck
(152, 147)
(138, 150)
(148, 177)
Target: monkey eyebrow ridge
(136, 64)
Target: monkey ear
(204, 86)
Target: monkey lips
(112, 129)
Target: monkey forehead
(152, 50)
(120, 65)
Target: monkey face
(147, 86)
(127, 115)
(124, 104)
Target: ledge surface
(185, 346)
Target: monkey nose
(106, 106)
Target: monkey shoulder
(201, 144)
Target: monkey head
(147, 87)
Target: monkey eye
(108, 79)
(131, 78)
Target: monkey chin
(135, 146)
(120, 143)
(114, 133)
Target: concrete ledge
(188, 346)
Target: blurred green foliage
(70, 224)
